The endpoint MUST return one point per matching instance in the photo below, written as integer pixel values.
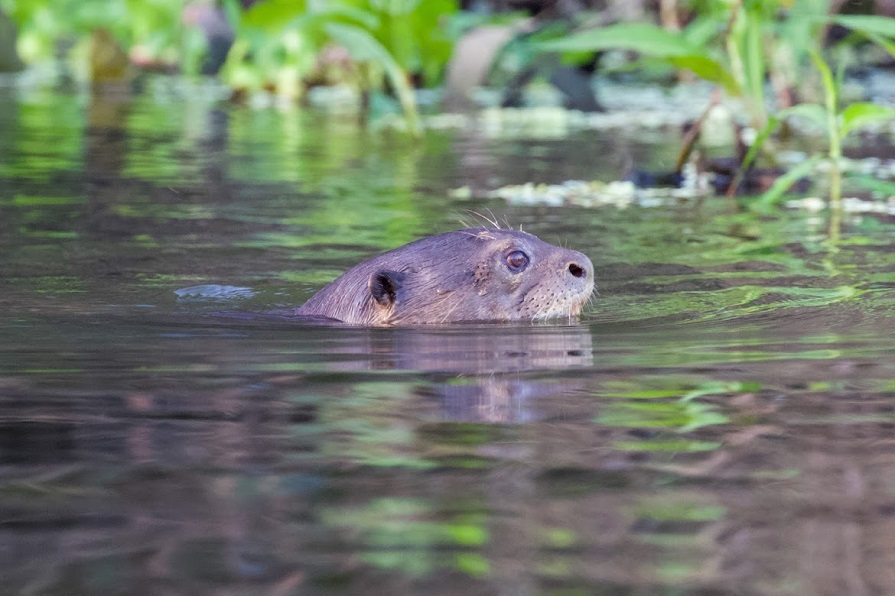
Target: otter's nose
(580, 266)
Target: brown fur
(458, 276)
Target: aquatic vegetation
(370, 45)
(770, 60)
(739, 46)
(725, 44)
(272, 45)
(44, 24)
(836, 122)
(622, 194)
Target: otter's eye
(516, 261)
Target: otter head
(476, 274)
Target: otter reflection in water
(477, 274)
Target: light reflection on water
(720, 421)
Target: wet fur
(457, 276)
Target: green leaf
(395, 8)
(708, 69)
(644, 38)
(433, 46)
(874, 184)
(861, 114)
(193, 48)
(865, 24)
(753, 56)
(273, 14)
(784, 182)
(816, 113)
(831, 91)
(700, 31)
(233, 11)
(363, 47)
(886, 44)
(358, 16)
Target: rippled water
(720, 421)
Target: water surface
(720, 420)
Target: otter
(474, 274)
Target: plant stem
(835, 226)
(835, 152)
(693, 134)
(834, 135)
(835, 181)
(732, 37)
(754, 63)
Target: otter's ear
(385, 285)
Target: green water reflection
(719, 420)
